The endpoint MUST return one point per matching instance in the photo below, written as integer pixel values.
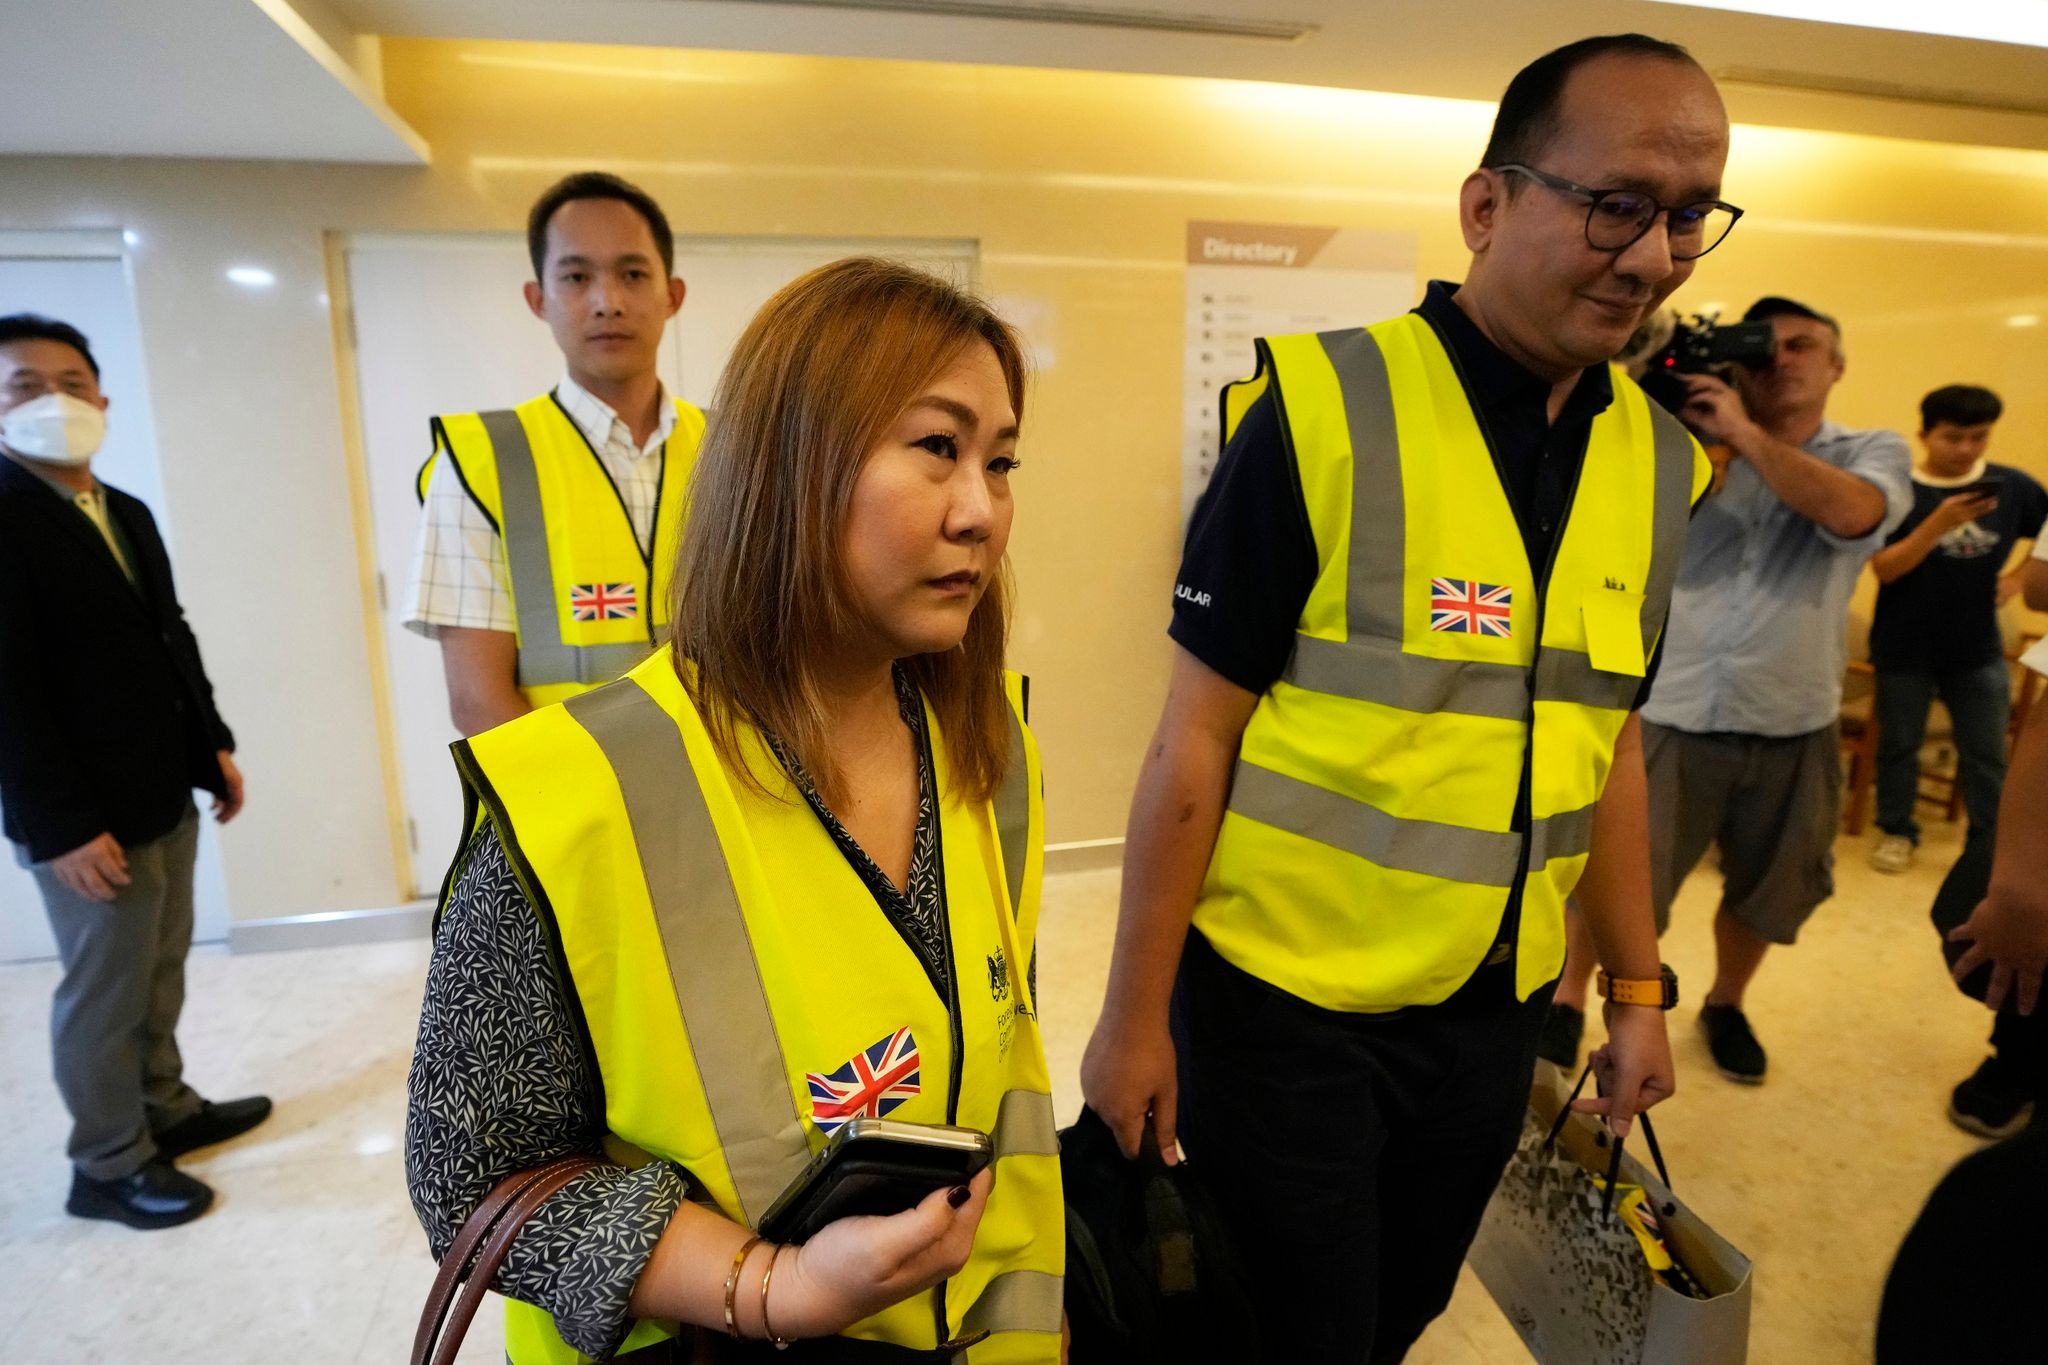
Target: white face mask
(55, 427)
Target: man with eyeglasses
(1418, 607)
(1740, 736)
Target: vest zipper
(1510, 933)
(653, 532)
(654, 523)
(1511, 925)
(959, 1035)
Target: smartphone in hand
(1990, 486)
(874, 1166)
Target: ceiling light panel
(2021, 22)
(1091, 16)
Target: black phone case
(872, 1178)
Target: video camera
(1668, 347)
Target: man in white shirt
(549, 530)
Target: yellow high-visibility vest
(589, 602)
(723, 953)
(1368, 852)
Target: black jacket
(107, 720)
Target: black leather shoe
(213, 1123)
(157, 1196)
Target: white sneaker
(1894, 853)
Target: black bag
(1151, 1275)
(1967, 883)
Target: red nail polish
(958, 1196)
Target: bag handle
(1564, 1112)
(479, 1249)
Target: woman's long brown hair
(814, 383)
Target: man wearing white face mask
(107, 724)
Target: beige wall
(1077, 186)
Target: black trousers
(1351, 1156)
(1967, 1282)
(2021, 1041)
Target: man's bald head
(1532, 109)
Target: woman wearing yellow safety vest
(777, 877)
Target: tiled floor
(312, 1254)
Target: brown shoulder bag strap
(473, 1258)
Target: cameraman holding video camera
(1739, 733)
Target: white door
(82, 278)
(440, 326)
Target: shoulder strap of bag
(473, 1258)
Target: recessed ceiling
(1793, 72)
(219, 78)
(297, 78)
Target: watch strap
(1660, 992)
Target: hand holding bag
(1572, 1277)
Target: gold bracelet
(732, 1284)
(781, 1343)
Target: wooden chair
(1859, 742)
(1940, 782)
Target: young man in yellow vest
(1417, 611)
(549, 530)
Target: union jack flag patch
(603, 601)
(1468, 608)
(867, 1087)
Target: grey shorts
(1771, 805)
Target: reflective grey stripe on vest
(543, 658)
(1378, 572)
(1569, 675)
(1025, 1125)
(1378, 671)
(1013, 813)
(1454, 852)
(1019, 1301)
(1425, 847)
(1674, 510)
(1564, 835)
(1371, 668)
(711, 958)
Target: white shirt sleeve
(459, 576)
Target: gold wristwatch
(1661, 993)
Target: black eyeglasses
(1617, 219)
